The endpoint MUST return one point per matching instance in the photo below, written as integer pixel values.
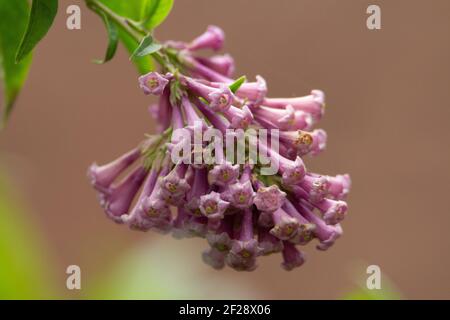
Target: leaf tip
(234, 87)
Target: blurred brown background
(387, 119)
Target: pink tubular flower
(240, 195)
(333, 211)
(319, 142)
(294, 172)
(118, 198)
(303, 143)
(162, 112)
(220, 99)
(156, 208)
(268, 243)
(179, 180)
(305, 231)
(242, 256)
(265, 219)
(103, 176)
(159, 214)
(239, 118)
(300, 141)
(269, 199)
(212, 206)
(179, 224)
(339, 186)
(255, 92)
(285, 227)
(221, 240)
(313, 104)
(199, 70)
(214, 258)
(198, 189)
(216, 121)
(213, 38)
(327, 234)
(153, 83)
(244, 250)
(223, 64)
(173, 187)
(192, 118)
(223, 174)
(304, 234)
(285, 119)
(292, 257)
(312, 188)
(138, 218)
(196, 226)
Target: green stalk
(133, 29)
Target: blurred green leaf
(131, 9)
(366, 294)
(13, 23)
(43, 13)
(155, 12)
(150, 13)
(388, 290)
(234, 87)
(113, 39)
(23, 269)
(165, 268)
(126, 8)
(146, 47)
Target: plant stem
(119, 20)
(134, 30)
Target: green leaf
(150, 13)
(145, 13)
(131, 9)
(143, 64)
(366, 294)
(138, 275)
(146, 47)
(43, 13)
(155, 12)
(234, 87)
(13, 23)
(24, 267)
(126, 8)
(113, 39)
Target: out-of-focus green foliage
(163, 269)
(388, 290)
(146, 13)
(154, 12)
(365, 294)
(23, 258)
(43, 12)
(150, 13)
(113, 38)
(138, 275)
(13, 23)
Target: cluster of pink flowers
(241, 213)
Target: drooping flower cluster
(241, 213)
